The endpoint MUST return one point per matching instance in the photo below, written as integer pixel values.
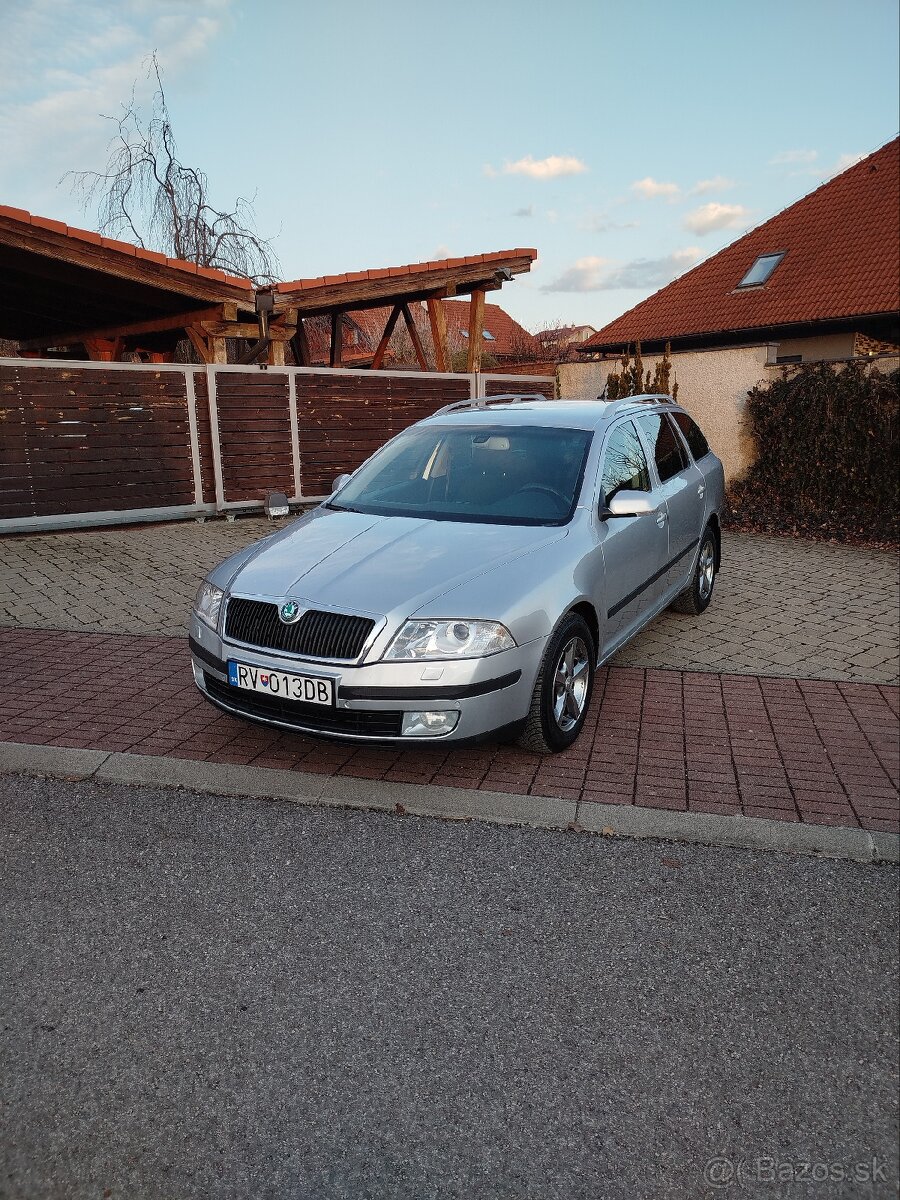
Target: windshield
(497, 474)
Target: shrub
(826, 465)
(631, 380)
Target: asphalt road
(210, 998)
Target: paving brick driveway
(786, 608)
(778, 702)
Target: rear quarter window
(693, 434)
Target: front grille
(306, 716)
(316, 635)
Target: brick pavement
(822, 752)
(782, 607)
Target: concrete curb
(543, 812)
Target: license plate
(312, 689)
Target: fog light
(429, 724)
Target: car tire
(696, 597)
(562, 692)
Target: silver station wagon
(468, 579)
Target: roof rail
(648, 398)
(486, 401)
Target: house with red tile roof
(820, 280)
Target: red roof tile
(842, 259)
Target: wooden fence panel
(344, 418)
(254, 434)
(99, 440)
(492, 386)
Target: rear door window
(693, 435)
(667, 450)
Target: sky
(625, 141)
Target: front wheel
(696, 597)
(562, 693)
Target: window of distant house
(761, 270)
(488, 337)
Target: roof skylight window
(761, 270)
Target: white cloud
(81, 64)
(652, 189)
(586, 275)
(709, 217)
(717, 184)
(845, 162)
(542, 168)
(793, 157)
(601, 223)
(642, 274)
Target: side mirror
(629, 504)
(339, 483)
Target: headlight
(449, 639)
(209, 603)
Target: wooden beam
(219, 350)
(276, 353)
(158, 325)
(395, 289)
(198, 340)
(245, 329)
(476, 331)
(437, 317)
(414, 336)
(337, 338)
(386, 337)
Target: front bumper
(489, 694)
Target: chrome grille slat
(317, 634)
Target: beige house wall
(712, 387)
(815, 349)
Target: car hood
(378, 565)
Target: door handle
(660, 519)
(701, 490)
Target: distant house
(560, 342)
(819, 281)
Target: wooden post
(337, 338)
(414, 337)
(438, 319)
(385, 338)
(300, 346)
(219, 350)
(276, 354)
(476, 331)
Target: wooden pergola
(65, 290)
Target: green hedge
(826, 466)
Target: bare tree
(149, 196)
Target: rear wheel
(695, 598)
(562, 693)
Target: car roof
(560, 414)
